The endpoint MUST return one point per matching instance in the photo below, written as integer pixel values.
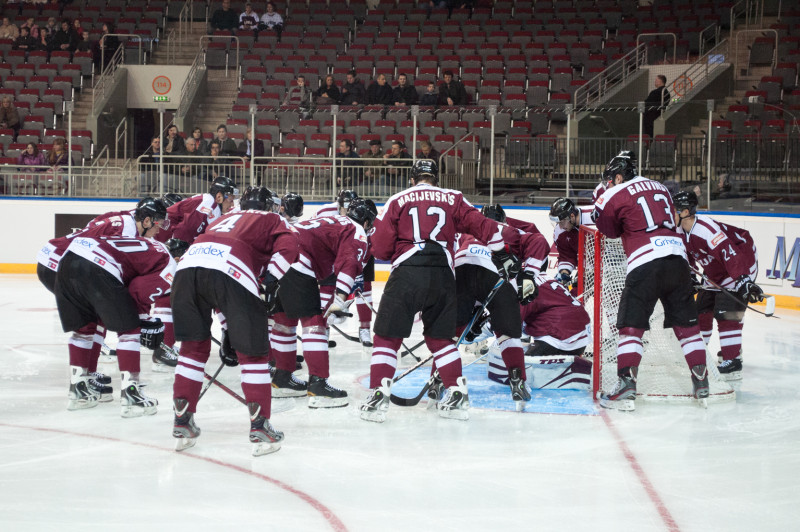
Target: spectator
(76, 26)
(51, 26)
(397, 164)
(33, 29)
(249, 149)
(29, 158)
(379, 93)
(404, 94)
(372, 161)
(349, 171)
(248, 20)
(430, 97)
(299, 95)
(328, 93)
(104, 49)
(44, 40)
(353, 92)
(224, 19)
(173, 143)
(452, 92)
(656, 101)
(216, 166)
(56, 159)
(227, 144)
(32, 157)
(8, 30)
(65, 39)
(426, 151)
(190, 164)
(9, 116)
(85, 43)
(202, 144)
(148, 164)
(271, 21)
(25, 41)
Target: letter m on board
(783, 268)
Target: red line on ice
(327, 514)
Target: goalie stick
(769, 299)
(413, 401)
(407, 350)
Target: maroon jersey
(428, 215)
(531, 248)
(189, 218)
(244, 245)
(329, 209)
(117, 223)
(600, 189)
(528, 227)
(332, 245)
(566, 243)
(725, 252)
(142, 264)
(642, 213)
(555, 317)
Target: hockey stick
(769, 299)
(347, 336)
(210, 382)
(209, 377)
(407, 350)
(400, 401)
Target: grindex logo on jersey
(717, 239)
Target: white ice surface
(731, 467)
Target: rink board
(489, 395)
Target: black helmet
(345, 197)
(155, 209)
(362, 210)
(624, 163)
(171, 199)
(225, 185)
(426, 169)
(256, 198)
(561, 209)
(685, 200)
(494, 212)
(292, 205)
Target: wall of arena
(28, 223)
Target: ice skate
(700, 384)
(100, 384)
(263, 435)
(519, 390)
(323, 395)
(133, 400)
(285, 384)
(731, 370)
(455, 403)
(435, 390)
(165, 359)
(184, 428)
(376, 404)
(624, 393)
(364, 337)
(81, 395)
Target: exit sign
(160, 98)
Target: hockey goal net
(663, 372)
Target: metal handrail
(228, 37)
(192, 79)
(700, 70)
(102, 48)
(122, 124)
(674, 41)
(106, 78)
(746, 32)
(717, 32)
(598, 87)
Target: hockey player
(223, 270)
(416, 231)
(729, 258)
(338, 207)
(567, 218)
(188, 218)
(291, 207)
(112, 280)
(495, 212)
(331, 245)
(641, 212)
(149, 217)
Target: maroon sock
(189, 371)
(691, 344)
(315, 346)
(730, 338)
(256, 382)
(384, 359)
(80, 346)
(447, 357)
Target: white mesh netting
(663, 373)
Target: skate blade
(315, 401)
(459, 414)
(282, 404)
(730, 377)
(162, 368)
(287, 392)
(520, 405)
(138, 411)
(623, 405)
(703, 402)
(181, 444)
(264, 447)
(375, 417)
(106, 397)
(80, 404)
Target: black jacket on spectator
(258, 149)
(224, 20)
(333, 95)
(69, 37)
(407, 95)
(26, 43)
(353, 92)
(454, 90)
(379, 94)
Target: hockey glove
(563, 277)
(477, 329)
(269, 292)
(152, 333)
(526, 288)
(507, 264)
(338, 311)
(697, 284)
(358, 285)
(749, 291)
(177, 247)
(226, 351)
